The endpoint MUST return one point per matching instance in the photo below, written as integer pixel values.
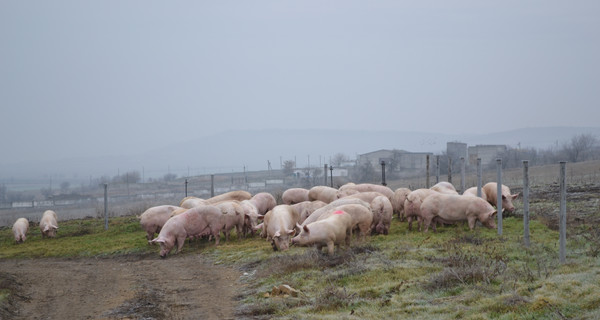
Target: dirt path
(131, 287)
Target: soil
(123, 287)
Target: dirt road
(124, 287)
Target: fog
(119, 78)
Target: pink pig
(193, 223)
(450, 208)
(154, 218)
(331, 231)
(48, 224)
(20, 229)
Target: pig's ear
(493, 213)
(158, 240)
(258, 227)
(306, 229)
(260, 216)
(291, 232)
(298, 226)
(46, 228)
(54, 227)
(277, 234)
(514, 196)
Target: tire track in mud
(124, 287)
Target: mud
(124, 287)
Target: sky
(90, 78)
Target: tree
(580, 147)
(338, 159)
(365, 173)
(288, 167)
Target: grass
(452, 274)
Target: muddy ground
(124, 287)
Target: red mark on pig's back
(339, 212)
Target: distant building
(488, 153)
(456, 150)
(398, 160)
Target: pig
(306, 208)
(317, 213)
(366, 196)
(258, 205)
(412, 205)
(452, 208)
(362, 218)
(491, 195)
(193, 223)
(48, 224)
(20, 229)
(367, 187)
(294, 195)
(329, 232)
(398, 201)
(238, 195)
(279, 225)
(233, 217)
(444, 187)
(473, 192)
(190, 202)
(323, 193)
(264, 202)
(154, 218)
(382, 214)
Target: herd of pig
(321, 216)
(48, 226)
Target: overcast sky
(81, 78)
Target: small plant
(462, 268)
(332, 298)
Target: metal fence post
(462, 174)
(449, 169)
(212, 185)
(427, 169)
(186, 183)
(383, 173)
(106, 206)
(499, 194)
(331, 175)
(325, 174)
(526, 202)
(437, 169)
(479, 174)
(563, 212)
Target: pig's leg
(180, 241)
(330, 247)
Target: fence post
(331, 175)
(383, 173)
(479, 174)
(212, 185)
(499, 194)
(186, 183)
(437, 169)
(526, 202)
(106, 206)
(427, 169)
(462, 174)
(325, 174)
(449, 169)
(563, 212)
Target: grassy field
(452, 274)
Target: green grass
(452, 274)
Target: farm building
(488, 153)
(396, 160)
